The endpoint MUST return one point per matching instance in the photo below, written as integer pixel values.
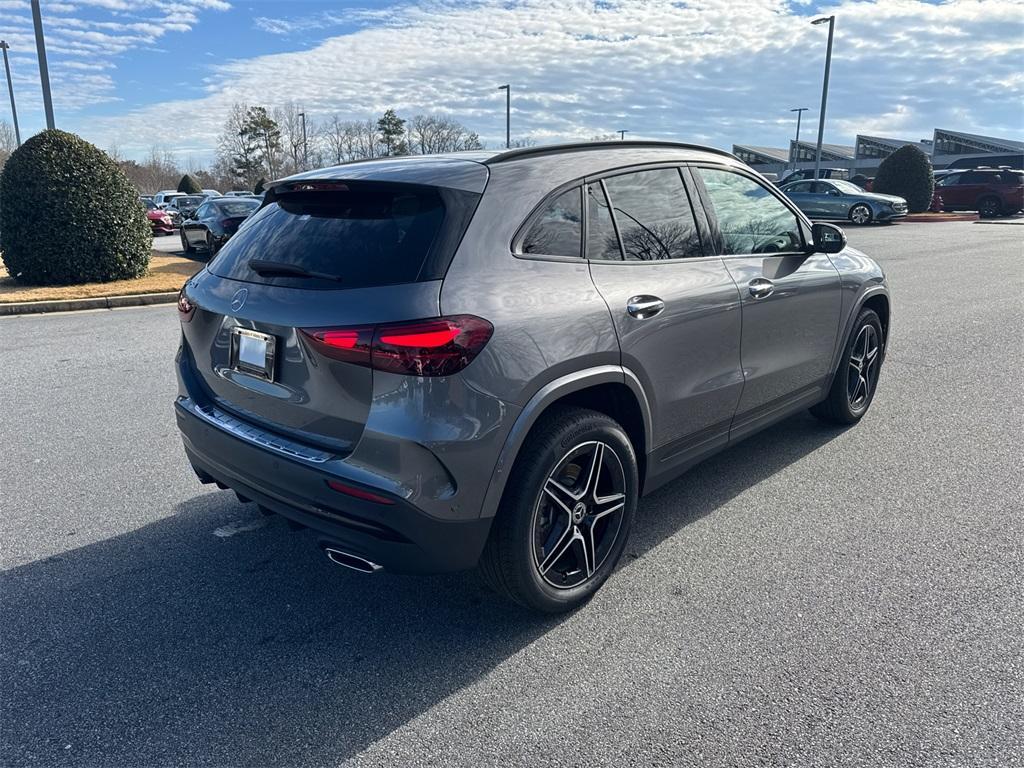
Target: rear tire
(990, 207)
(561, 528)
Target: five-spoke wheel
(853, 386)
(566, 511)
(578, 515)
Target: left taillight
(438, 346)
(185, 307)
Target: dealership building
(947, 149)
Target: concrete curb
(98, 302)
(935, 218)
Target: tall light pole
(305, 146)
(824, 89)
(10, 90)
(799, 113)
(622, 135)
(508, 114)
(44, 73)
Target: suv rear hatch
(319, 254)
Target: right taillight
(185, 307)
(436, 347)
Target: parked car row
(215, 220)
(989, 191)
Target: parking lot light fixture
(824, 89)
(508, 114)
(799, 113)
(44, 72)
(10, 90)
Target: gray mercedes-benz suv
(485, 358)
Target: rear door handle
(642, 307)
(761, 288)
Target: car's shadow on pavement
(169, 645)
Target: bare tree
(431, 134)
(7, 141)
(289, 119)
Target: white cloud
(716, 71)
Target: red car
(989, 191)
(159, 220)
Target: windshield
(149, 205)
(847, 186)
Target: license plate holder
(253, 352)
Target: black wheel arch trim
(547, 396)
(851, 319)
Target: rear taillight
(358, 493)
(185, 307)
(436, 347)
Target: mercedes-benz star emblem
(238, 300)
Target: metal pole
(799, 113)
(824, 92)
(10, 90)
(305, 146)
(508, 114)
(44, 73)
(622, 135)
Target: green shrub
(68, 214)
(189, 186)
(907, 172)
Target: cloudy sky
(138, 74)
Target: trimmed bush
(189, 186)
(907, 172)
(68, 214)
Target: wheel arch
(876, 298)
(610, 389)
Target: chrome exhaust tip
(348, 560)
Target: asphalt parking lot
(811, 597)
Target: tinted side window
(949, 180)
(973, 177)
(203, 212)
(559, 230)
(654, 216)
(802, 188)
(602, 242)
(750, 218)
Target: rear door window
(653, 215)
(558, 231)
(350, 235)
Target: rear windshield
(238, 207)
(359, 233)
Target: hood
(881, 198)
(157, 215)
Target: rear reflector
(185, 307)
(358, 493)
(437, 347)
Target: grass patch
(166, 273)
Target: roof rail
(552, 149)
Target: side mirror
(828, 238)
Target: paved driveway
(812, 597)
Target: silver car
(838, 199)
(486, 358)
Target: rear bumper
(398, 536)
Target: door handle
(642, 307)
(761, 288)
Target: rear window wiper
(265, 268)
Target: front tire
(187, 247)
(854, 384)
(566, 512)
(861, 214)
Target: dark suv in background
(989, 191)
(486, 358)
